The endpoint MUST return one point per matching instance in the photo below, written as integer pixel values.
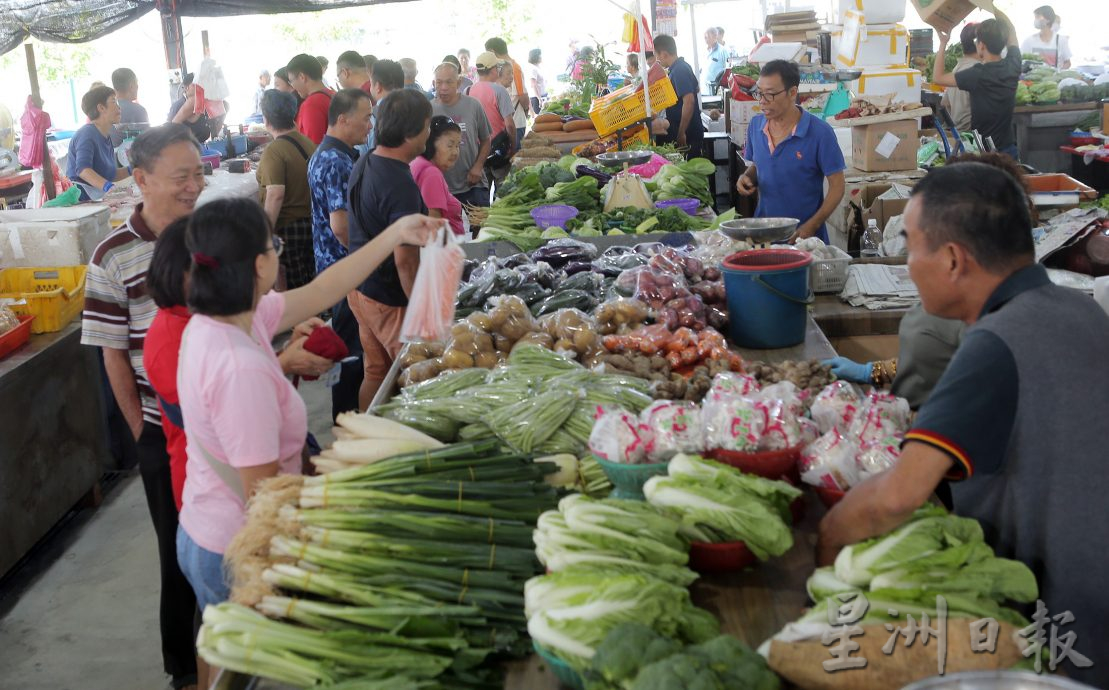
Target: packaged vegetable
(735, 384)
(789, 394)
(558, 253)
(620, 315)
(572, 330)
(835, 407)
(671, 260)
(875, 457)
(676, 427)
(618, 436)
(732, 423)
(781, 429)
(418, 352)
(651, 286)
(510, 317)
(467, 342)
(830, 462)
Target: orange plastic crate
(624, 107)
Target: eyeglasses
(278, 245)
(766, 96)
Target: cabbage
(571, 612)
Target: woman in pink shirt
(244, 421)
(439, 156)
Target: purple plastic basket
(553, 215)
(690, 206)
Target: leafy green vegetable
(951, 58)
(685, 180)
(624, 651)
(717, 503)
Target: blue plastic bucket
(768, 297)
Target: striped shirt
(118, 310)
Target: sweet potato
(547, 127)
(577, 126)
(547, 118)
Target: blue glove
(107, 185)
(849, 370)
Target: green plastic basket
(562, 670)
(628, 480)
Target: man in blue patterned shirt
(348, 123)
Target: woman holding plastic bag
(431, 306)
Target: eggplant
(560, 252)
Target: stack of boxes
(740, 114)
(871, 38)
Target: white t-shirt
(1046, 50)
(533, 72)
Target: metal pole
(47, 167)
(173, 39)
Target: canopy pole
(172, 39)
(47, 166)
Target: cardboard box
(876, 11)
(742, 112)
(738, 135)
(903, 84)
(872, 45)
(881, 210)
(945, 15)
(886, 146)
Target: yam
(577, 125)
(546, 118)
(535, 139)
(547, 127)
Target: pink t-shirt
(238, 405)
(433, 187)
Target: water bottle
(871, 239)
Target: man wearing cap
(495, 101)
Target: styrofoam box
(904, 83)
(871, 45)
(52, 236)
(711, 125)
(876, 11)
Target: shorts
(379, 330)
(204, 570)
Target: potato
(516, 328)
(481, 320)
(457, 359)
(486, 360)
(564, 345)
(584, 341)
(501, 343)
(536, 338)
(421, 371)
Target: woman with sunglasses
(439, 156)
(243, 420)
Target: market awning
(79, 21)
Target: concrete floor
(82, 612)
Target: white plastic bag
(430, 311)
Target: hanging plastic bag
(430, 310)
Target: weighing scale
(760, 232)
(626, 189)
(840, 99)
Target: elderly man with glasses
(791, 154)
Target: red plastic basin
(727, 557)
(775, 464)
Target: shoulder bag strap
(295, 143)
(227, 474)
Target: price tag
(887, 145)
(334, 373)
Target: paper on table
(887, 145)
(1064, 229)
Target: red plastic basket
(16, 337)
(829, 497)
(720, 558)
(775, 464)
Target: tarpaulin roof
(77, 21)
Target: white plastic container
(52, 236)
(876, 11)
(902, 82)
(872, 45)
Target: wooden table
(837, 319)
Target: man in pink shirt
(493, 97)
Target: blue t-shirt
(328, 176)
(381, 191)
(717, 61)
(685, 82)
(791, 179)
(90, 149)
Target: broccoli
(626, 649)
(739, 667)
(678, 671)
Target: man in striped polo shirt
(118, 312)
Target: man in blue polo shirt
(792, 153)
(348, 121)
(1017, 422)
(685, 128)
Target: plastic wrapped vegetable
(619, 437)
(510, 318)
(620, 315)
(878, 456)
(835, 407)
(781, 429)
(671, 260)
(830, 462)
(735, 384)
(732, 423)
(558, 253)
(469, 346)
(676, 428)
(651, 286)
(572, 331)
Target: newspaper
(879, 286)
(1063, 230)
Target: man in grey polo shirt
(1017, 422)
(132, 116)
